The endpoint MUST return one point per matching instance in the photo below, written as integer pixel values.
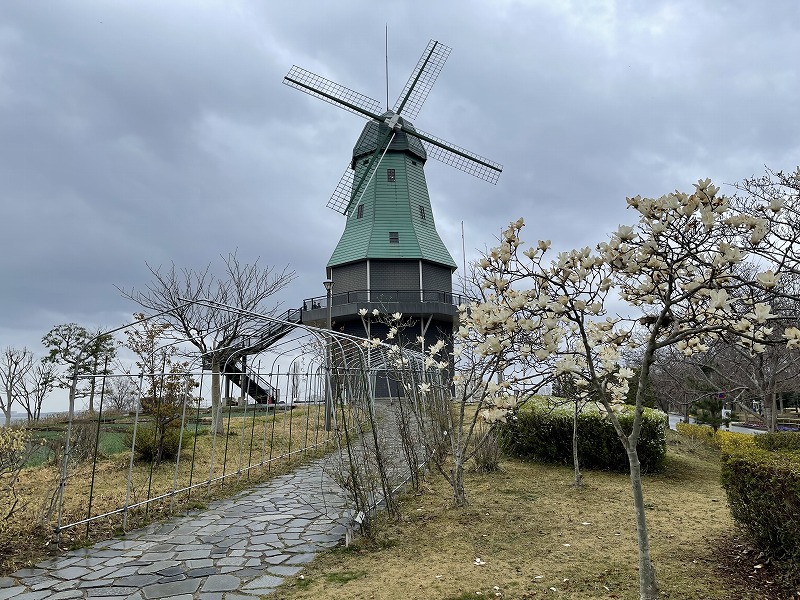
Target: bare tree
(14, 366)
(193, 304)
(36, 386)
(122, 393)
(752, 381)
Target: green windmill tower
(390, 256)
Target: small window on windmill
(360, 211)
(413, 162)
(390, 175)
(394, 237)
(365, 161)
(421, 212)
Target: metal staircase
(253, 384)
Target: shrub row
(762, 482)
(542, 430)
(723, 440)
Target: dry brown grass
(540, 537)
(26, 537)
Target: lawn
(528, 534)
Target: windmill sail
(349, 188)
(329, 91)
(422, 79)
(390, 256)
(460, 158)
(392, 123)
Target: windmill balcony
(407, 302)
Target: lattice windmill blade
(458, 157)
(348, 189)
(340, 199)
(422, 79)
(330, 91)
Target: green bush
(780, 440)
(763, 489)
(542, 430)
(147, 442)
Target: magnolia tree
(676, 268)
(450, 402)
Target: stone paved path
(236, 549)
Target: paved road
(237, 549)
(675, 419)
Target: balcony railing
(385, 297)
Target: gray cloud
(157, 132)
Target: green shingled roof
(400, 207)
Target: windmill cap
(374, 131)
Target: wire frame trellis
(309, 396)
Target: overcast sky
(136, 132)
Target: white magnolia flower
(718, 299)
(625, 233)
(758, 233)
(625, 373)
(761, 312)
(362, 312)
(567, 365)
(424, 388)
(768, 279)
(792, 336)
(544, 244)
(776, 204)
(397, 316)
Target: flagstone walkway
(236, 549)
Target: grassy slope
(536, 532)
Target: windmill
(390, 255)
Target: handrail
(379, 296)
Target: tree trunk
(457, 473)
(576, 463)
(648, 587)
(773, 413)
(217, 425)
(7, 407)
(770, 413)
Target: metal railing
(382, 296)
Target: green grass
(343, 577)
(535, 531)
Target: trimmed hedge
(722, 440)
(763, 489)
(778, 441)
(542, 430)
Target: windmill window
(421, 212)
(390, 174)
(360, 211)
(394, 237)
(365, 161)
(413, 162)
